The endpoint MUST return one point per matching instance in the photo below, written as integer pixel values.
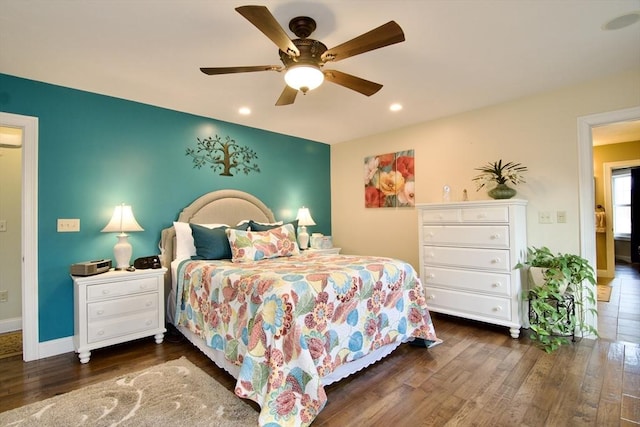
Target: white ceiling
(458, 55)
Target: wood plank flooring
(478, 377)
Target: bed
(283, 322)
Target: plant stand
(566, 308)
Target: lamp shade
(304, 217)
(122, 220)
(304, 77)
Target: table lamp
(121, 221)
(304, 219)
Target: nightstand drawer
(487, 259)
(137, 304)
(476, 281)
(104, 330)
(490, 236)
(459, 303)
(109, 290)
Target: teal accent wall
(97, 151)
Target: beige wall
(10, 241)
(608, 154)
(539, 131)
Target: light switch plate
(68, 225)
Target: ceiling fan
(304, 58)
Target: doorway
(586, 183)
(29, 230)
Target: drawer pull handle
(100, 312)
(105, 292)
(496, 284)
(148, 322)
(431, 275)
(495, 261)
(430, 255)
(482, 215)
(495, 236)
(101, 332)
(431, 296)
(149, 303)
(144, 286)
(430, 234)
(498, 309)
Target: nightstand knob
(482, 215)
(101, 332)
(498, 308)
(496, 285)
(100, 312)
(105, 292)
(143, 286)
(495, 236)
(431, 296)
(148, 322)
(495, 261)
(431, 275)
(149, 303)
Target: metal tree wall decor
(223, 156)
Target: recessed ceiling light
(245, 111)
(622, 21)
(395, 107)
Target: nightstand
(117, 306)
(330, 251)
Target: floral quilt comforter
(287, 322)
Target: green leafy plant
(500, 173)
(552, 317)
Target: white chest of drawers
(468, 252)
(117, 306)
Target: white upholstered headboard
(217, 207)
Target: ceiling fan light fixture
(304, 77)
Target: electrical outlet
(561, 217)
(4, 296)
(68, 225)
(545, 218)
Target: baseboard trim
(10, 325)
(55, 347)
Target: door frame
(586, 185)
(29, 247)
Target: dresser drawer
(116, 307)
(125, 325)
(460, 303)
(491, 236)
(441, 215)
(476, 281)
(486, 214)
(487, 259)
(109, 290)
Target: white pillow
(185, 247)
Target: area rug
(604, 293)
(10, 344)
(175, 393)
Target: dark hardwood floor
(478, 377)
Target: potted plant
(500, 173)
(557, 301)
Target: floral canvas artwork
(389, 180)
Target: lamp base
(303, 238)
(122, 252)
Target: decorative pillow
(259, 226)
(257, 245)
(210, 243)
(248, 222)
(185, 247)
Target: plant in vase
(561, 285)
(500, 173)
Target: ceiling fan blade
(363, 86)
(265, 22)
(287, 97)
(230, 70)
(385, 35)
